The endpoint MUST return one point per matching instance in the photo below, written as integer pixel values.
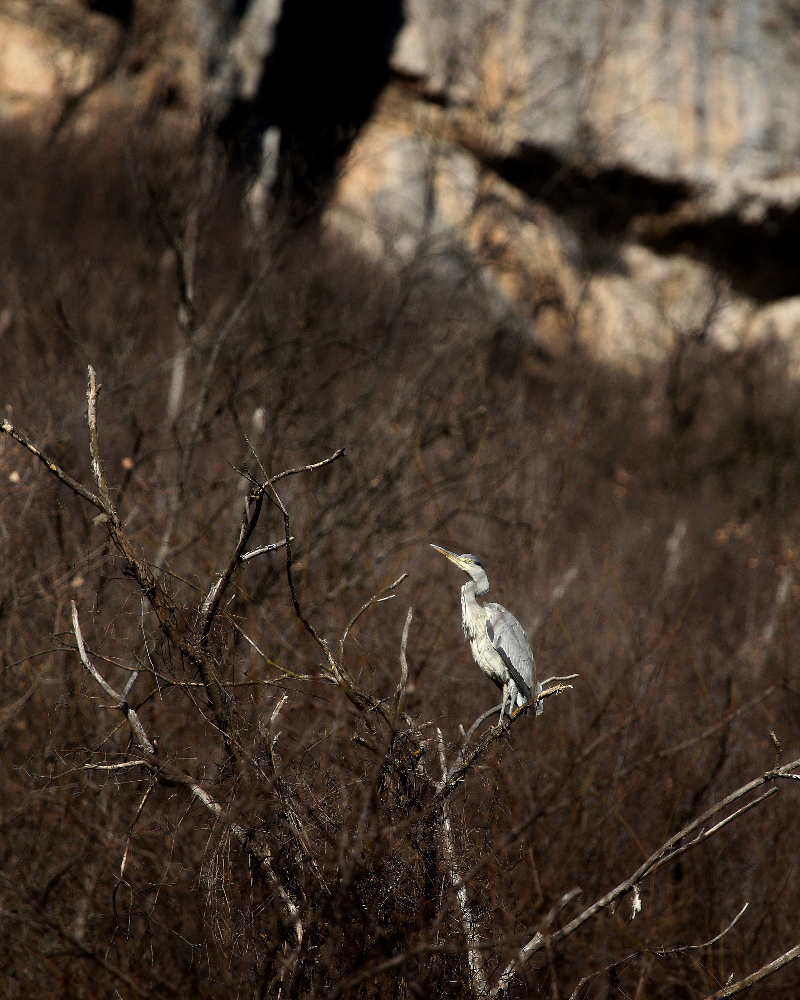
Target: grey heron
(498, 642)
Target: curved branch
(252, 510)
(658, 952)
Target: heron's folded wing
(508, 638)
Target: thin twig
(252, 510)
(58, 472)
(308, 468)
(658, 952)
(686, 744)
(193, 436)
(322, 643)
(706, 944)
(121, 766)
(336, 670)
(144, 799)
(92, 392)
(375, 599)
(266, 659)
(475, 725)
(262, 550)
(778, 751)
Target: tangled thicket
(289, 832)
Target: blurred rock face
(616, 176)
(651, 150)
(68, 65)
(707, 94)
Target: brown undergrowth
(644, 531)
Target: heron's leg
(503, 704)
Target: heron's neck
(470, 591)
(472, 613)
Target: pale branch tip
(263, 549)
(778, 750)
(92, 393)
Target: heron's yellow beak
(450, 555)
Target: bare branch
(290, 579)
(276, 711)
(665, 854)
(476, 964)
(92, 392)
(547, 693)
(137, 729)
(660, 952)
(193, 436)
(705, 944)
(685, 744)
(563, 677)
(308, 468)
(403, 683)
(475, 725)
(336, 670)
(262, 550)
(255, 847)
(266, 659)
(778, 750)
(121, 766)
(464, 763)
(252, 510)
(756, 977)
(160, 601)
(58, 472)
(144, 799)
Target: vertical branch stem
(474, 956)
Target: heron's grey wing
(509, 639)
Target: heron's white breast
(474, 617)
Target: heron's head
(470, 564)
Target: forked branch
(120, 700)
